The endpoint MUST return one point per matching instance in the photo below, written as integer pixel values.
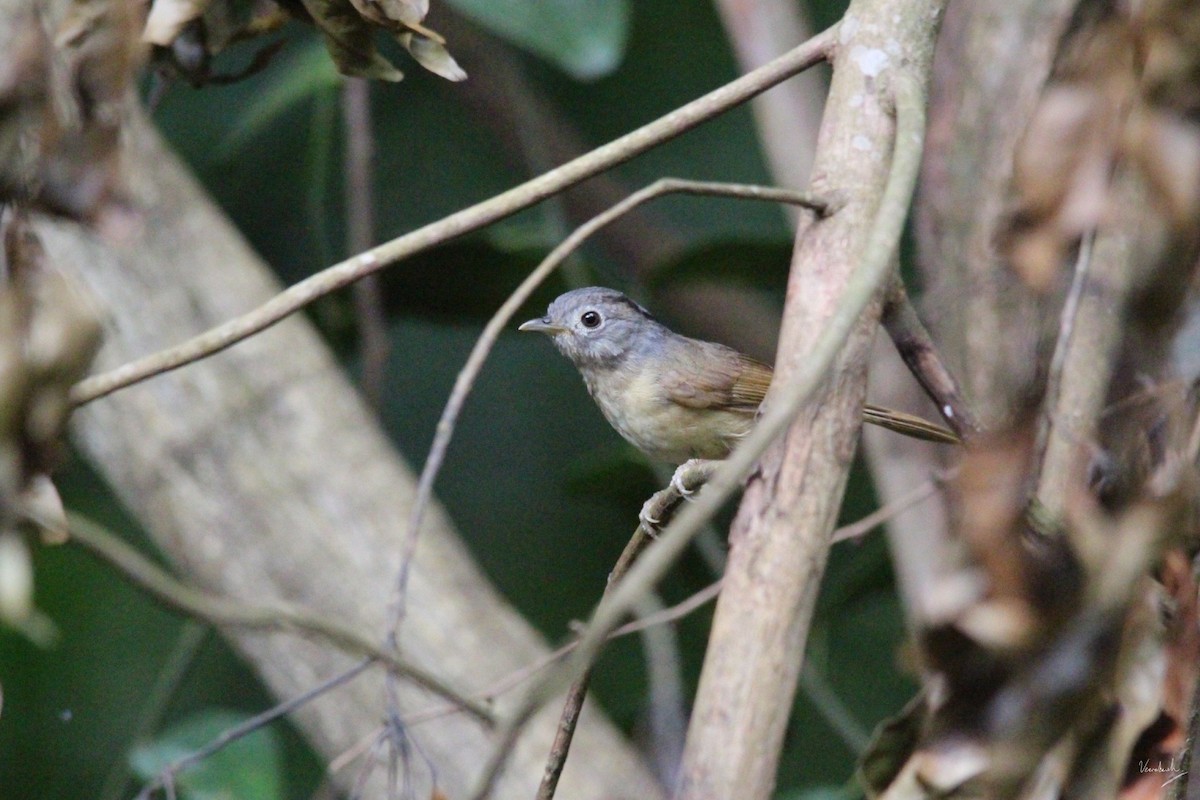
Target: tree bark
(261, 475)
(780, 538)
(994, 329)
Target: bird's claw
(649, 517)
(688, 478)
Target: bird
(672, 397)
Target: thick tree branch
(780, 539)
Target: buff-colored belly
(665, 430)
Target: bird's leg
(688, 477)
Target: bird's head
(595, 326)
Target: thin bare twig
(359, 157)
(223, 611)
(166, 778)
(516, 678)
(857, 530)
(1062, 346)
(191, 635)
(916, 349)
(873, 269)
(469, 219)
(578, 691)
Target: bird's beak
(541, 326)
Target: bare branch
(166, 778)
(359, 157)
(916, 348)
(469, 219)
(578, 691)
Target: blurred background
(542, 490)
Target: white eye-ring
(590, 319)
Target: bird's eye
(590, 319)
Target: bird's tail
(909, 425)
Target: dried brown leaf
(168, 17)
(49, 333)
(350, 40)
(41, 505)
(1126, 91)
(433, 56)
(1166, 149)
(392, 14)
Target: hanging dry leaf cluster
(1061, 657)
(49, 333)
(1126, 95)
(63, 84)
(191, 32)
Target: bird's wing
(714, 376)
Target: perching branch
(872, 269)
(469, 219)
(223, 611)
(573, 705)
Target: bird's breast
(634, 402)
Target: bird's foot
(688, 478)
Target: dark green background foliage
(268, 149)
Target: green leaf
(757, 264)
(585, 38)
(250, 768)
(306, 75)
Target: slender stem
(857, 530)
(166, 778)
(358, 158)
(578, 691)
(469, 219)
(916, 349)
(191, 636)
(873, 269)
